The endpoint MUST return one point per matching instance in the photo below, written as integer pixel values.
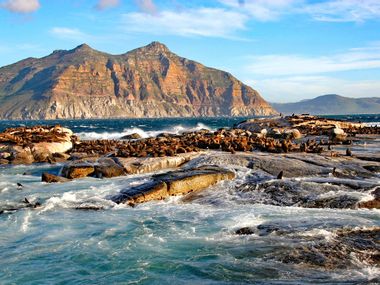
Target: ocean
(160, 242)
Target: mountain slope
(146, 82)
(331, 105)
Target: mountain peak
(157, 46)
(83, 47)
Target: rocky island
(297, 161)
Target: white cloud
(68, 33)
(21, 6)
(147, 6)
(344, 10)
(292, 89)
(105, 4)
(262, 10)
(331, 11)
(354, 59)
(208, 22)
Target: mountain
(150, 81)
(331, 105)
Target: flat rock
(172, 184)
(135, 165)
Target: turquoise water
(165, 242)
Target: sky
(288, 50)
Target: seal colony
(296, 161)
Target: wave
(177, 129)
(372, 124)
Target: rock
(133, 136)
(51, 178)
(107, 167)
(77, 170)
(186, 181)
(5, 155)
(245, 231)
(343, 251)
(372, 204)
(22, 155)
(293, 134)
(36, 144)
(300, 194)
(83, 156)
(134, 165)
(338, 135)
(60, 157)
(173, 183)
(4, 161)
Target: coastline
(253, 198)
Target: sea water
(159, 242)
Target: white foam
(372, 124)
(26, 222)
(319, 232)
(178, 129)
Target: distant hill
(331, 105)
(150, 81)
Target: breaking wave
(178, 129)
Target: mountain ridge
(331, 104)
(149, 81)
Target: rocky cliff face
(146, 82)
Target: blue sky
(286, 49)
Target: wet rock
(345, 250)
(173, 183)
(77, 170)
(338, 202)
(245, 231)
(107, 167)
(372, 204)
(372, 168)
(298, 193)
(51, 178)
(4, 161)
(186, 181)
(16, 206)
(133, 136)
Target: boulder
(372, 204)
(338, 135)
(51, 178)
(22, 155)
(77, 170)
(173, 183)
(293, 134)
(107, 167)
(134, 136)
